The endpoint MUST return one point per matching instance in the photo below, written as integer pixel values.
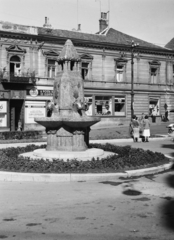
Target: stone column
(103, 65)
(138, 68)
(31, 59)
(36, 61)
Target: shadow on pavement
(170, 180)
(168, 213)
(171, 146)
(131, 192)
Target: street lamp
(133, 46)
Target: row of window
(86, 69)
(105, 105)
(115, 105)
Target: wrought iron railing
(6, 76)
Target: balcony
(23, 78)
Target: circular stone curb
(75, 177)
(80, 156)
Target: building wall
(103, 78)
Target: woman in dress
(146, 125)
(134, 126)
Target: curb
(74, 177)
(124, 140)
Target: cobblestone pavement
(140, 208)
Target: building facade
(28, 67)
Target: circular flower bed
(126, 158)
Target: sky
(149, 20)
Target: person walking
(142, 127)
(146, 126)
(134, 128)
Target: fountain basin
(56, 122)
(67, 133)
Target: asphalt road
(131, 209)
(140, 208)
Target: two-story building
(28, 67)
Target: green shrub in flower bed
(124, 159)
(20, 135)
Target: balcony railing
(23, 78)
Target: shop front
(105, 105)
(4, 110)
(36, 102)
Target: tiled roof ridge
(133, 38)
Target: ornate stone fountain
(68, 128)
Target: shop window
(154, 104)
(103, 105)
(15, 66)
(88, 105)
(119, 106)
(51, 73)
(3, 113)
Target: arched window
(15, 66)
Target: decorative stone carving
(68, 127)
(51, 131)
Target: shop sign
(3, 106)
(46, 92)
(34, 110)
(33, 92)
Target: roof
(108, 36)
(122, 38)
(170, 44)
(112, 36)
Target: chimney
(46, 24)
(103, 22)
(79, 27)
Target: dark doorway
(16, 115)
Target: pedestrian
(134, 128)
(142, 127)
(166, 115)
(146, 126)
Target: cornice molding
(85, 43)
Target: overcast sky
(149, 20)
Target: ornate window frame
(15, 50)
(122, 63)
(50, 55)
(86, 58)
(154, 72)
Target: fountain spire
(68, 53)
